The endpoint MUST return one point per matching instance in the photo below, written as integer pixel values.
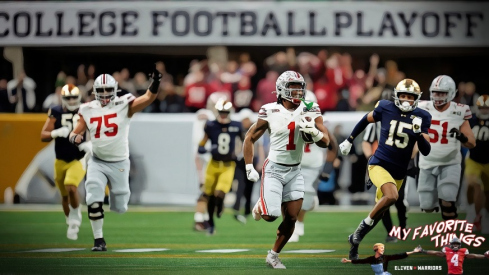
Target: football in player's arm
(107, 121)
(70, 163)
(402, 126)
(282, 193)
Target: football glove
(202, 150)
(458, 135)
(309, 127)
(251, 173)
(60, 132)
(345, 147)
(155, 84)
(417, 125)
(86, 146)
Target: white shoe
(294, 238)
(274, 261)
(256, 212)
(72, 232)
(299, 228)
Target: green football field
(24, 235)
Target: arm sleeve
(424, 145)
(361, 125)
(396, 256)
(363, 261)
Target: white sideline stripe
(308, 251)
(48, 250)
(222, 250)
(141, 250)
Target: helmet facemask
(410, 87)
(455, 244)
(105, 88)
(71, 97)
(104, 95)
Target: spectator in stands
(170, 102)
(126, 82)
(5, 102)
(242, 94)
(197, 92)
(264, 88)
(140, 83)
(52, 100)
(21, 92)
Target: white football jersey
(108, 127)
(286, 144)
(445, 150)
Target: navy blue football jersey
(480, 127)
(63, 148)
(223, 139)
(397, 138)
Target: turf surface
(23, 231)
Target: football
(486, 254)
(306, 137)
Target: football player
(313, 161)
(379, 262)
(439, 175)
(402, 126)
(455, 256)
(219, 175)
(107, 120)
(477, 167)
(282, 186)
(369, 145)
(70, 163)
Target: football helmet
(444, 84)
(223, 109)
(407, 86)
(70, 97)
(482, 104)
(105, 88)
(455, 244)
(283, 83)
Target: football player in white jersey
(282, 186)
(313, 160)
(439, 176)
(107, 120)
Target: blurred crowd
(337, 85)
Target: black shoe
(361, 232)
(211, 230)
(99, 245)
(353, 254)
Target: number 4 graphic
(108, 124)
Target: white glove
(345, 147)
(309, 127)
(86, 146)
(417, 125)
(60, 132)
(251, 173)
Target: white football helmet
(70, 97)
(455, 244)
(445, 84)
(283, 83)
(482, 104)
(407, 86)
(224, 108)
(105, 88)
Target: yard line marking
(309, 251)
(138, 250)
(222, 250)
(51, 250)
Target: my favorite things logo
(441, 233)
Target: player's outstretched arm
(76, 136)
(145, 100)
(475, 256)
(345, 146)
(47, 129)
(433, 252)
(345, 260)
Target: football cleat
(353, 254)
(99, 245)
(274, 261)
(256, 212)
(72, 232)
(294, 238)
(211, 231)
(201, 226)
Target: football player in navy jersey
(402, 126)
(219, 176)
(70, 165)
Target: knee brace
(203, 197)
(95, 211)
(452, 209)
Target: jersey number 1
(108, 124)
(291, 145)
